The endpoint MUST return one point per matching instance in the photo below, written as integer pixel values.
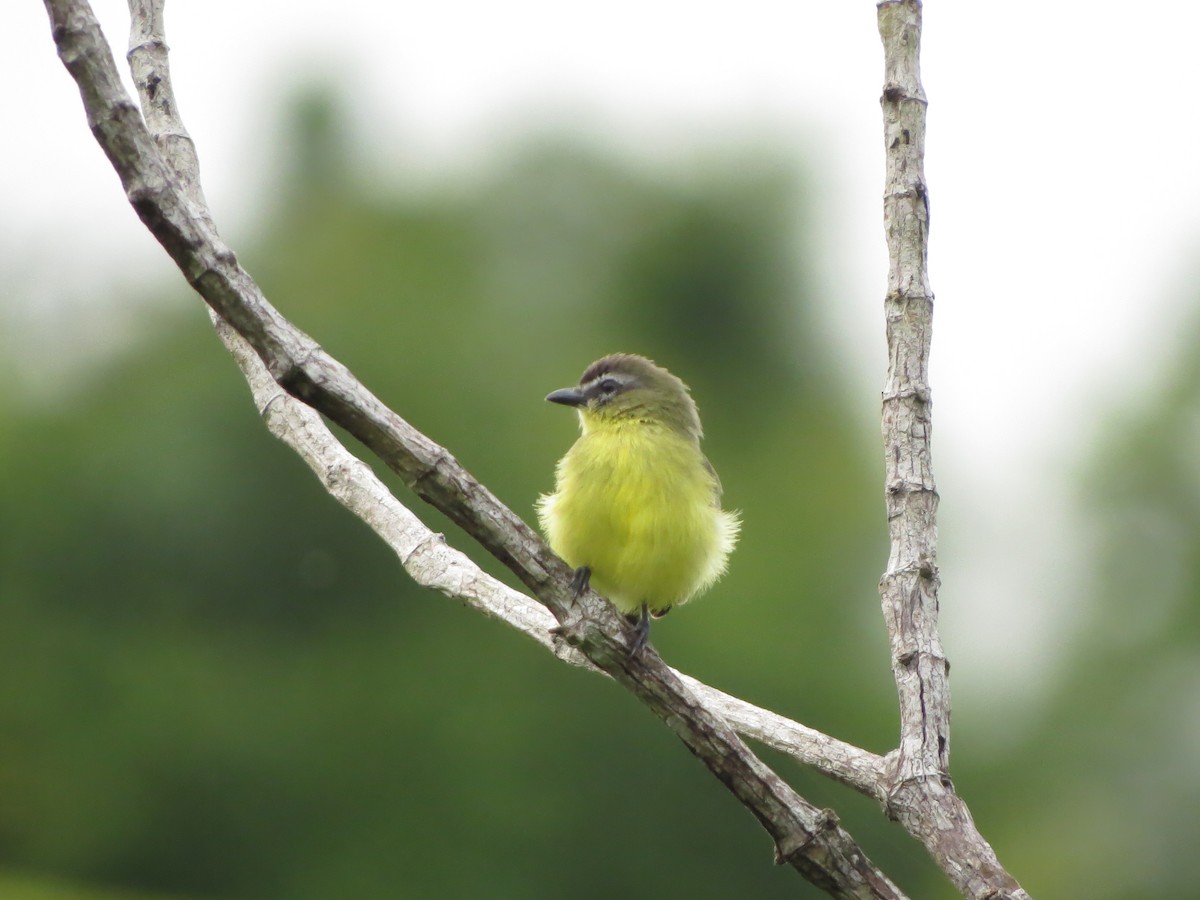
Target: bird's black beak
(568, 397)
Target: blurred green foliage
(17, 887)
(1120, 760)
(215, 683)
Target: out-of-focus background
(215, 684)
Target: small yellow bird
(637, 507)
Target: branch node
(430, 470)
(924, 568)
(148, 44)
(268, 408)
(918, 391)
(909, 655)
(790, 846)
(293, 374)
(899, 487)
(433, 538)
(917, 779)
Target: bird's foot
(579, 583)
(641, 631)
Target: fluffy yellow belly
(638, 507)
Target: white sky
(1061, 165)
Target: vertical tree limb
(922, 796)
(909, 587)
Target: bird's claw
(579, 583)
(641, 631)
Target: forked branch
(158, 168)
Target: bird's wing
(716, 482)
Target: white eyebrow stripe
(619, 377)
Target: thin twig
(807, 838)
(921, 797)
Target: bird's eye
(609, 386)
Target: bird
(636, 508)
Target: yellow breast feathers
(638, 504)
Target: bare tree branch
(160, 174)
(922, 797)
(424, 553)
(170, 205)
(432, 563)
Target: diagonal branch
(170, 205)
(922, 796)
(432, 563)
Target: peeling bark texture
(921, 795)
(909, 587)
(160, 176)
